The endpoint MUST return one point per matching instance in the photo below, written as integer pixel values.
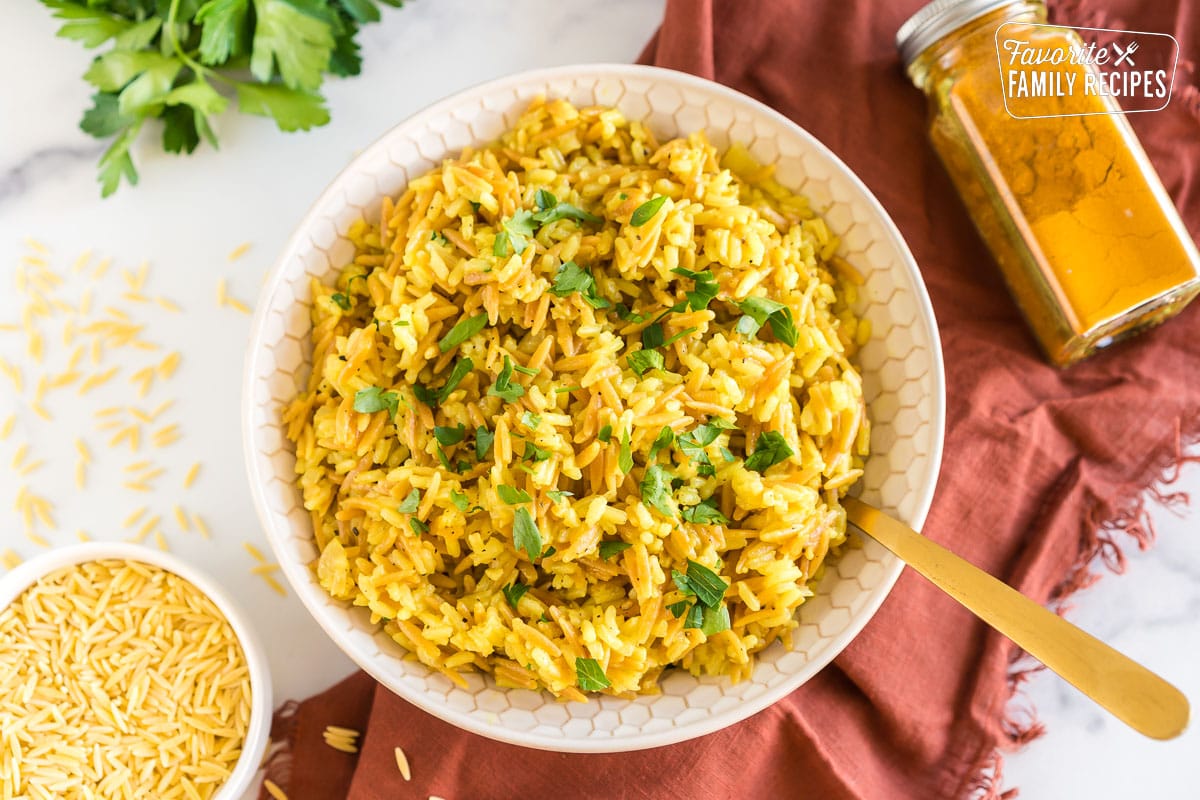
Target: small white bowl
(902, 382)
(26, 574)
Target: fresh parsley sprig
(182, 61)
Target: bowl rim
(296, 573)
(24, 575)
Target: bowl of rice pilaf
(125, 673)
(554, 395)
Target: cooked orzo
(582, 408)
(118, 680)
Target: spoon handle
(1132, 693)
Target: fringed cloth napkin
(1043, 469)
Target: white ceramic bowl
(26, 574)
(902, 371)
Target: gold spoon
(1132, 693)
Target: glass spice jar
(1088, 240)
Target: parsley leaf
(534, 453)
(558, 495)
(642, 361)
(448, 436)
(299, 44)
(462, 331)
(664, 439)
(224, 33)
(418, 527)
(760, 310)
(589, 676)
(610, 549)
(372, 399)
(511, 495)
(516, 231)
(770, 449)
(677, 609)
(341, 300)
(708, 586)
(504, 388)
(525, 533)
(695, 616)
(652, 336)
(292, 109)
(706, 287)
(572, 278)
(625, 459)
(514, 593)
(459, 499)
(605, 434)
(710, 620)
(526, 370)
(410, 503)
(462, 368)
(656, 490)
(483, 442)
(705, 513)
(530, 420)
(646, 211)
(550, 210)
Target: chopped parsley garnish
(589, 676)
(504, 388)
(514, 593)
(449, 436)
(550, 210)
(343, 302)
(694, 441)
(418, 527)
(515, 232)
(760, 310)
(707, 586)
(625, 459)
(464, 330)
(549, 551)
(535, 453)
(652, 335)
(530, 420)
(439, 237)
(656, 489)
(462, 368)
(410, 503)
(426, 396)
(525, 370)
(525, 534)
(572, 278)
(769, 450)
(605, 434)
(664, 439)
(706, 287)
(727, 454)
(460, 500)
(642, 361)
(646, 211)
(705, 513)
(511, 495)
(558, 495)
(372, 399)
(483, 442)
(441, 454)
(400, 323)
(625, 313)
(565, 389)
(710, 620)
(610, 549)
(678, 336)
(677, 609)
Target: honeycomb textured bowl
(902, 373)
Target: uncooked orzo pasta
(118, 680)
(582, 408)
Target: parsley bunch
(181, 61)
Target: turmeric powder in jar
(1088, 240)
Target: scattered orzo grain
(274, 790)
(402, 764)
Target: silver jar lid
(938, 19)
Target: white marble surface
(188, 213)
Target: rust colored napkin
(1042, 468)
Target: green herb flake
(761, 310)
(589, 676)
(511, 495)
(656, 490)
(372, 399)
(664, 439)
(550, 210)
(642, 361)
(677, 609)
(695, 616)
(549, 551)
(463, 331)
(514, 593)
(558, 495)
(483, 442)
(462, 368)
(449, 436)
(445, 462)
(705, 513)
(610, 549)
(504, 388)
(706, 288)
(535, 453)
(418, 527)
(646, 211)
(426, 396)
(460, 500)
(530, 420)
(605, 434)
(515, 233)
(342, 301)
(566, 389)
(652, 336)
(625, 459)
(572, 278)
(708, 586)
(770, 449)
(525, 370)
(525, 534)
(410, 503)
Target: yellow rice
(434, 577)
